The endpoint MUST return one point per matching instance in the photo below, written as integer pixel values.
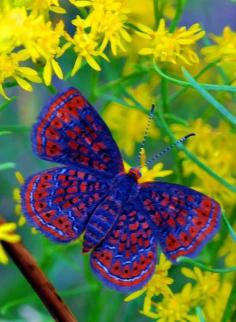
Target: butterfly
(122, 220)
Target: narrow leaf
(208, 97)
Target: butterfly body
(122, 220)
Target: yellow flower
(224, 47)
(171, 47)
(7, 234)
(228, 251)
(155, 172)
(39, 6)
(158, 284)
(85, 44)
(43, 43)
(10, 69)
(110, 25)
(214, 146)
(151, 174)
(112, 5)
(210, 292)
(40, 41)
(224, 51)
(130, 122)
(176, 307)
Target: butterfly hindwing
(70, 131)
(184, 219)
(126, 258)
(60, 201)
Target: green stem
(157, 12)
(164, 94)
(208, 97)
(228, 314)
(187, 260)
(15, 128)
(7, 103)
(230, 228)
(179, 10)
(7, 165)
(119, 81)
(182, 83)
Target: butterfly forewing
(70, 131)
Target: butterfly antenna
(168, 148)
(150, 117)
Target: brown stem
(47, 293)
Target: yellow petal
(10, 238)
(19, 177)
(58, 10)
(21, 221)
(76, 65)
(144, 28)
(7, 228)
(16, 194)
(146, 51)
(3, 93)
(57, 69)
(126, 166)
(81, 4)
(188, 273)
(23, 83)
(3, 256)
(92, 62)
(28, 71)
(134, 295)
(47, 73)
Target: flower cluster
(210, 144)
(223, 51)
(208, 292)
(174, 47)
(103, 26)
(100, 26)
(27, 36)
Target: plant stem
(178, 14)
(157, 12)
(36, 278)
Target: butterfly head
(135, 173)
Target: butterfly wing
(126, 258)
(184, 219)
(70, 131)
(60, 201)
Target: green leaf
(7, 165)
(5, 132)
(227, 316)
(5, 104)
(208, 97)
(200, 314)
